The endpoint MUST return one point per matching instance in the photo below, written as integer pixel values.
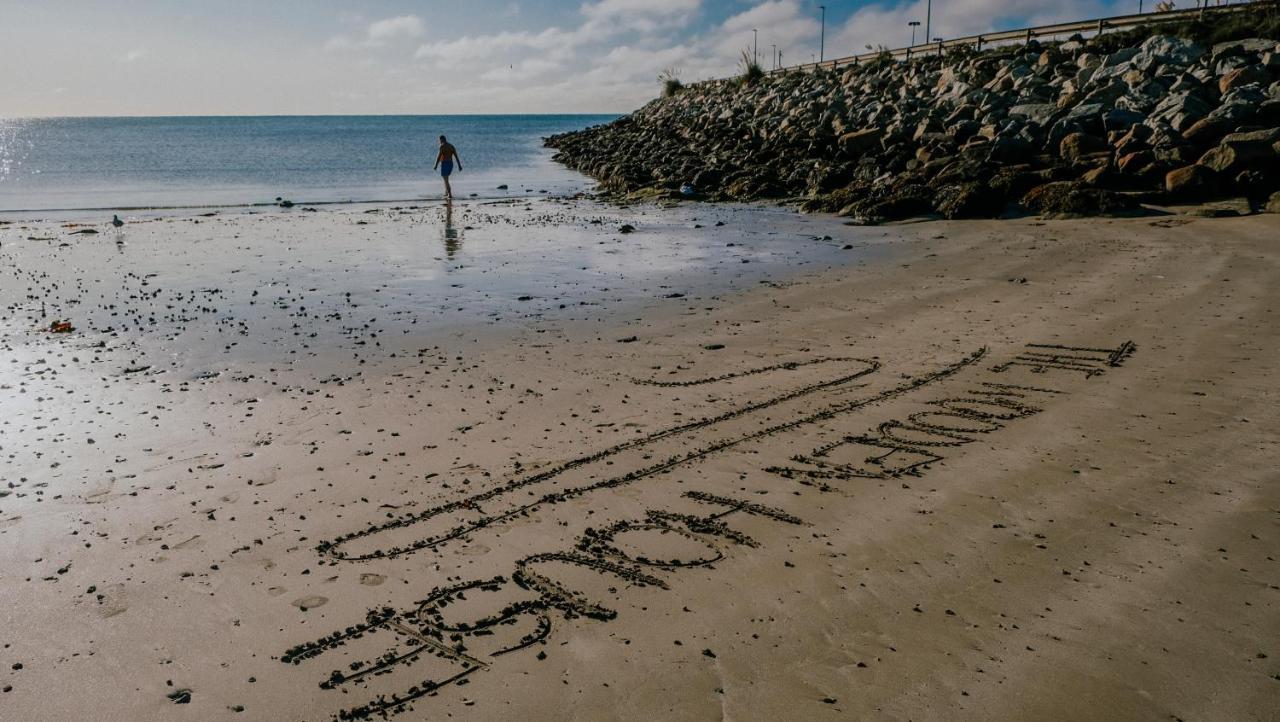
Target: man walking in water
(444, 161)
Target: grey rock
(1167, 49)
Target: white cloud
(404, 26)
(636, 16)
(501, 48)
(780, 22)
(380, 33)
(134, 55)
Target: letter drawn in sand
(897, 447)
(427, 634)
(464, 517)
(1042, 358)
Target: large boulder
(1242, 76)
(1077, 145)
(1189, 183)
(1041, 113)
(1206, 131)
(1071, 199)
(1241, 151)
(1166, 50)
(1240, 105)
(861, 141)
(1136, 163)
(1180, 110)
(1242, 46)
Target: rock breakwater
(1073, 128)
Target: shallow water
(322, 289)
(84, 163)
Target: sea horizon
(130, 163)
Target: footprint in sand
(193, 542)
(311, 602)
(110, 600)
(100, 494)
(276, 591)
(473, 550)
(372, 580)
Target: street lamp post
(755, 50)
(773, 55)
(822, 37)
(914, 24)
(928, 20)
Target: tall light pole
(774, 55)
(822, 36)
(914, 24)
(755, 51)
(928, 20)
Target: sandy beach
(735, 463)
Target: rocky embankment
(1075, 128)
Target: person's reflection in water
(452, 238)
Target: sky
(291, 57)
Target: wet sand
(302, 465)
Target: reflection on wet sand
(452, 237)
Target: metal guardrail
(1097, 25)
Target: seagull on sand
(115, 221)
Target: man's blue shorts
(446, 169)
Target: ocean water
(137, 163)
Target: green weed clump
(669, 79)
(751, 70)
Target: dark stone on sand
(180, 696)
(968, 200)
(1072, 199)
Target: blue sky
(175, 57)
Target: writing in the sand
(537, 586)
(912, 444)
(460, 629)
